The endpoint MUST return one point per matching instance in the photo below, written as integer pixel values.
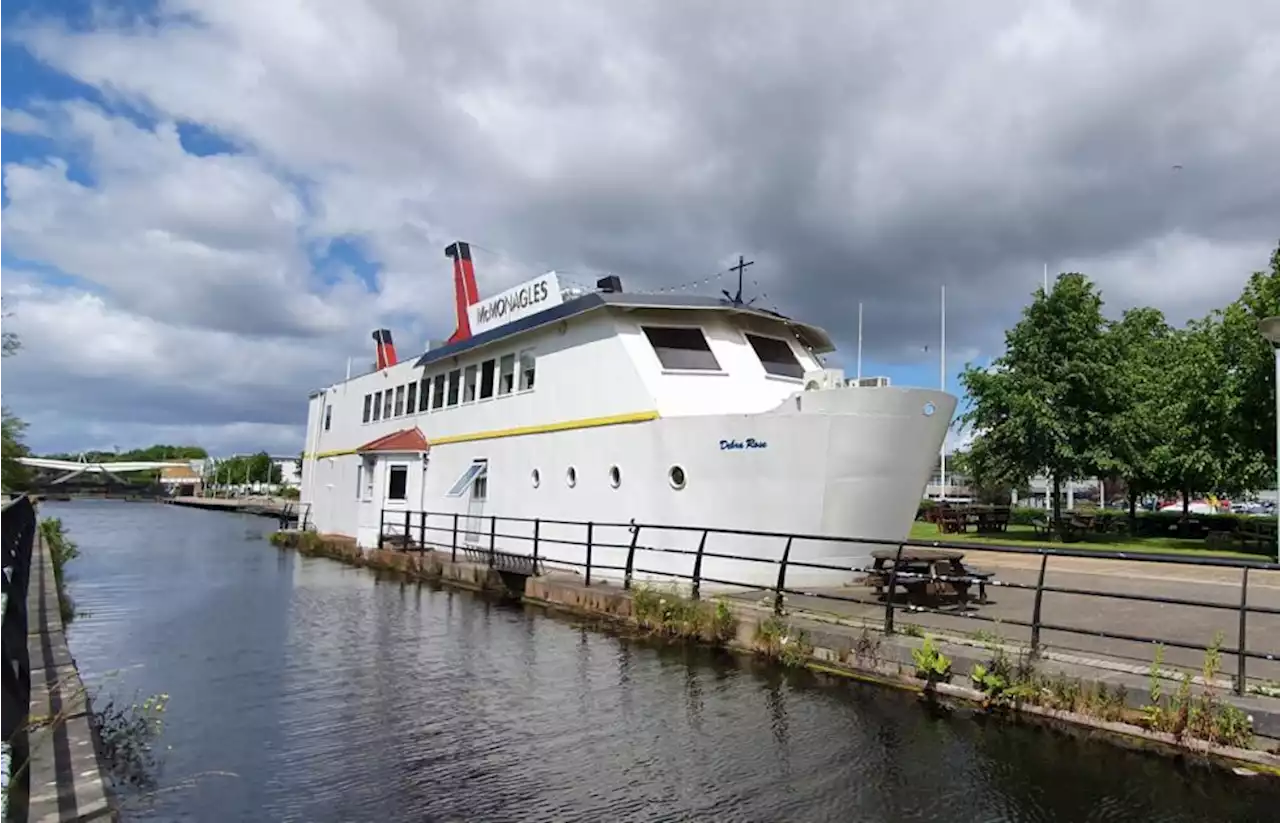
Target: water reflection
(332, 695)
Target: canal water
(304, 690)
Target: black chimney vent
(612, 283)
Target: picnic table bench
(1256, 532)
(926, 573)
(983, 519)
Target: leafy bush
(932, 665)
(667, 612)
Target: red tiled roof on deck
(405, 440)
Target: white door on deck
(396, 515)
(369, 508)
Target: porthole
(676, 476)
(571, 477)
(535, 478)
(615, 476)
(929, 409)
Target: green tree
(1043, 405)
(1198, 450)
(13, 475)
(1248, 373)
(1143, 351)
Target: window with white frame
(368, 408)
(437, 392)
(478, 468)
(776, 356)
(506, 374)
(487, 369)
(386, 405)
(399, 409)
(328, 416)
(368, 478)
(398, 482)
(681, 348)
(469, 376)
(411, 398)
(377, 406)
(424, 392)
(455, 386)
(528, 366)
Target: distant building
(181, 481)
(1036, 494)
(290, 473)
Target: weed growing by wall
(666, 612)
(62, 550)
(780, 640)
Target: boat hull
(838, 463)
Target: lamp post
(1269, 328)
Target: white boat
(613, 407)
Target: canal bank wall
(1075, 694)
(65, 775)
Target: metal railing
(19, 529)
(423, 530)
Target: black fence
(19, 530)
(590, 547)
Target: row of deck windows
(686, 349)
(499, 376)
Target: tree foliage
(245, 469)
(1186, 411)
(1043, 406)
(13, 475)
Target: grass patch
(666, 612)
(1025, 537)
(62, 550)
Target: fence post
(537, 527)
(893, 584)
(631, 555)
(782, 578)
(1240, 640)
(697, 567)
(454, 555)
(407, 527)
(382, 523)
(1035, 610)
(493, 534)
(422, 531)
(590, 529)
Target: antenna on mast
(736, 299)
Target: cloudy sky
(208, 206)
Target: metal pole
(942, 374)
(859, 343)
(631, 555)
(453, 554)
(893, 585)
(537, 527)
(1035, 609)
(697, 566)
(781, 585)
(590, 529)
(1240, 639)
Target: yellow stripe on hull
(519, 431)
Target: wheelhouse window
(527, 369)
(487, 369)
(410, 398)
(437, 392)
(684, 348)
(377, 406)
(455, 383)
(328, 416)
(478, 468)
(469, 384)
(398, 483)
(423, 393)
(399, 410)
(776, 356)
(386, 405)
(368, 408)
(506, 374)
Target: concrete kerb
(857, 649)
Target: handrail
(19, 530)
(486, 531)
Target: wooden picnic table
(919, 569)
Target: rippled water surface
(304, 690)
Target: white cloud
(859, 152)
